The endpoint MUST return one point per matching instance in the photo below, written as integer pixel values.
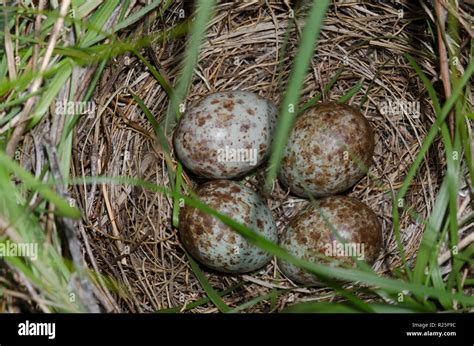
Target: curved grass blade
(355, 275)
(315, 99)
(423, 255)
(211, 292)
(29, 181)
(288, 108)
(204, 12)
(199, 302)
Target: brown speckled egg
(217, 245)
(331, 231)
(226, 134)
(329, 149)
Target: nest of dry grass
(241, 52)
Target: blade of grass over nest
(256, 300)
(69, 126)
(315, 99)
(65, 142)
(354, 275)
(176, 201)
(97, 21)
(461, 107)
(29, 181)
(204, 13)
(18, 101)
(211, 293)
(51, 90)
(407, 301)
(462, 258)
(435, 274)
(282, 53)
(160, 136)
(11, 114)
(351, 93)
(86, 8)
(288, 108)
(437, 108)
(131, 19)
(164, 84)
(167, 154)
(453, 177)
(200, 302)
(47, 271)
(423, 256)
(98, 52)
(354, 300)
(76, 24)
(274, 296)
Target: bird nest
(128, 234)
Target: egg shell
(217, 245)
(226, 134)
(330, 149)
(312, 235)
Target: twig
(443, 59)
(462, 244)
(270, 285)
(8, 46)
(86, 290)
(115, 230)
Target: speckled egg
(217, 245)
(226, 134)
(329, 149)
(332, 231)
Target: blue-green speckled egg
(330, 149)
(217, 245)
(226, 134)
(312, 235)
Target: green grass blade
(423, 256)
(51, 91)
(132, 19)
(211, 292)
(288, 109)
(164, 84)
(97, 21)
(355, 275)
(29, 182)
(315, 99)
(204, 13)
(256, 300)
(199, 302)
(176, 204)
(351, 93)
